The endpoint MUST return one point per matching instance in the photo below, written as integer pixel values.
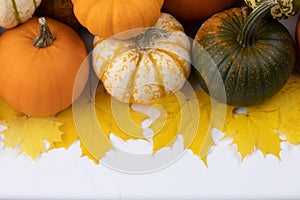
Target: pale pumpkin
(146, 67)
(38, 68)
(14, 12)
(105, 18)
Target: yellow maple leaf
(70, 134)
(88, 129)
(287, 102)
(117, 117)
(29, 133)
(256, 129)
(290, 111)
(95, 119)
(6, 111)
(203, 141)
(166, 127)
(189, 116)
(68, 128)
(85, 152)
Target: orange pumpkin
(38, 67)
(105, 18)
(197, 10)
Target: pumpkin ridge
(34, 4)
(225, 73)
(251, 90)
(16, 12)
(219, 46)
(157, 74)
(275, 75)
(175, 59)
(234, 18)
(261, 75)
(277, 58)
(237, 74)
(132, 81)
(106, 64)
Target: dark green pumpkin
(253, 55)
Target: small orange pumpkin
(105, 18)
(38, 68)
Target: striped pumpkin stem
(246, 37)
(45, 38)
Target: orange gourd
(105, 18)
(38, 67)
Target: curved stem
(145, 40)
(246, 36)
(45, 38)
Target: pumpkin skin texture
(39, 81)
(61, 10)
(136, 74)
(251, 72)
(283, 10)
(14, 12)
(197, 10)
(105, 18)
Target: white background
(64, 174)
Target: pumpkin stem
(246, 37)
(145, 40)
(45, 38)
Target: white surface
(64, 174)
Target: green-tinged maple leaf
(256, 129)
(29, 133)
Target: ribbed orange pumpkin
(37, 74)
(105, 18)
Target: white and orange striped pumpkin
(146, 67)
(14, 12)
